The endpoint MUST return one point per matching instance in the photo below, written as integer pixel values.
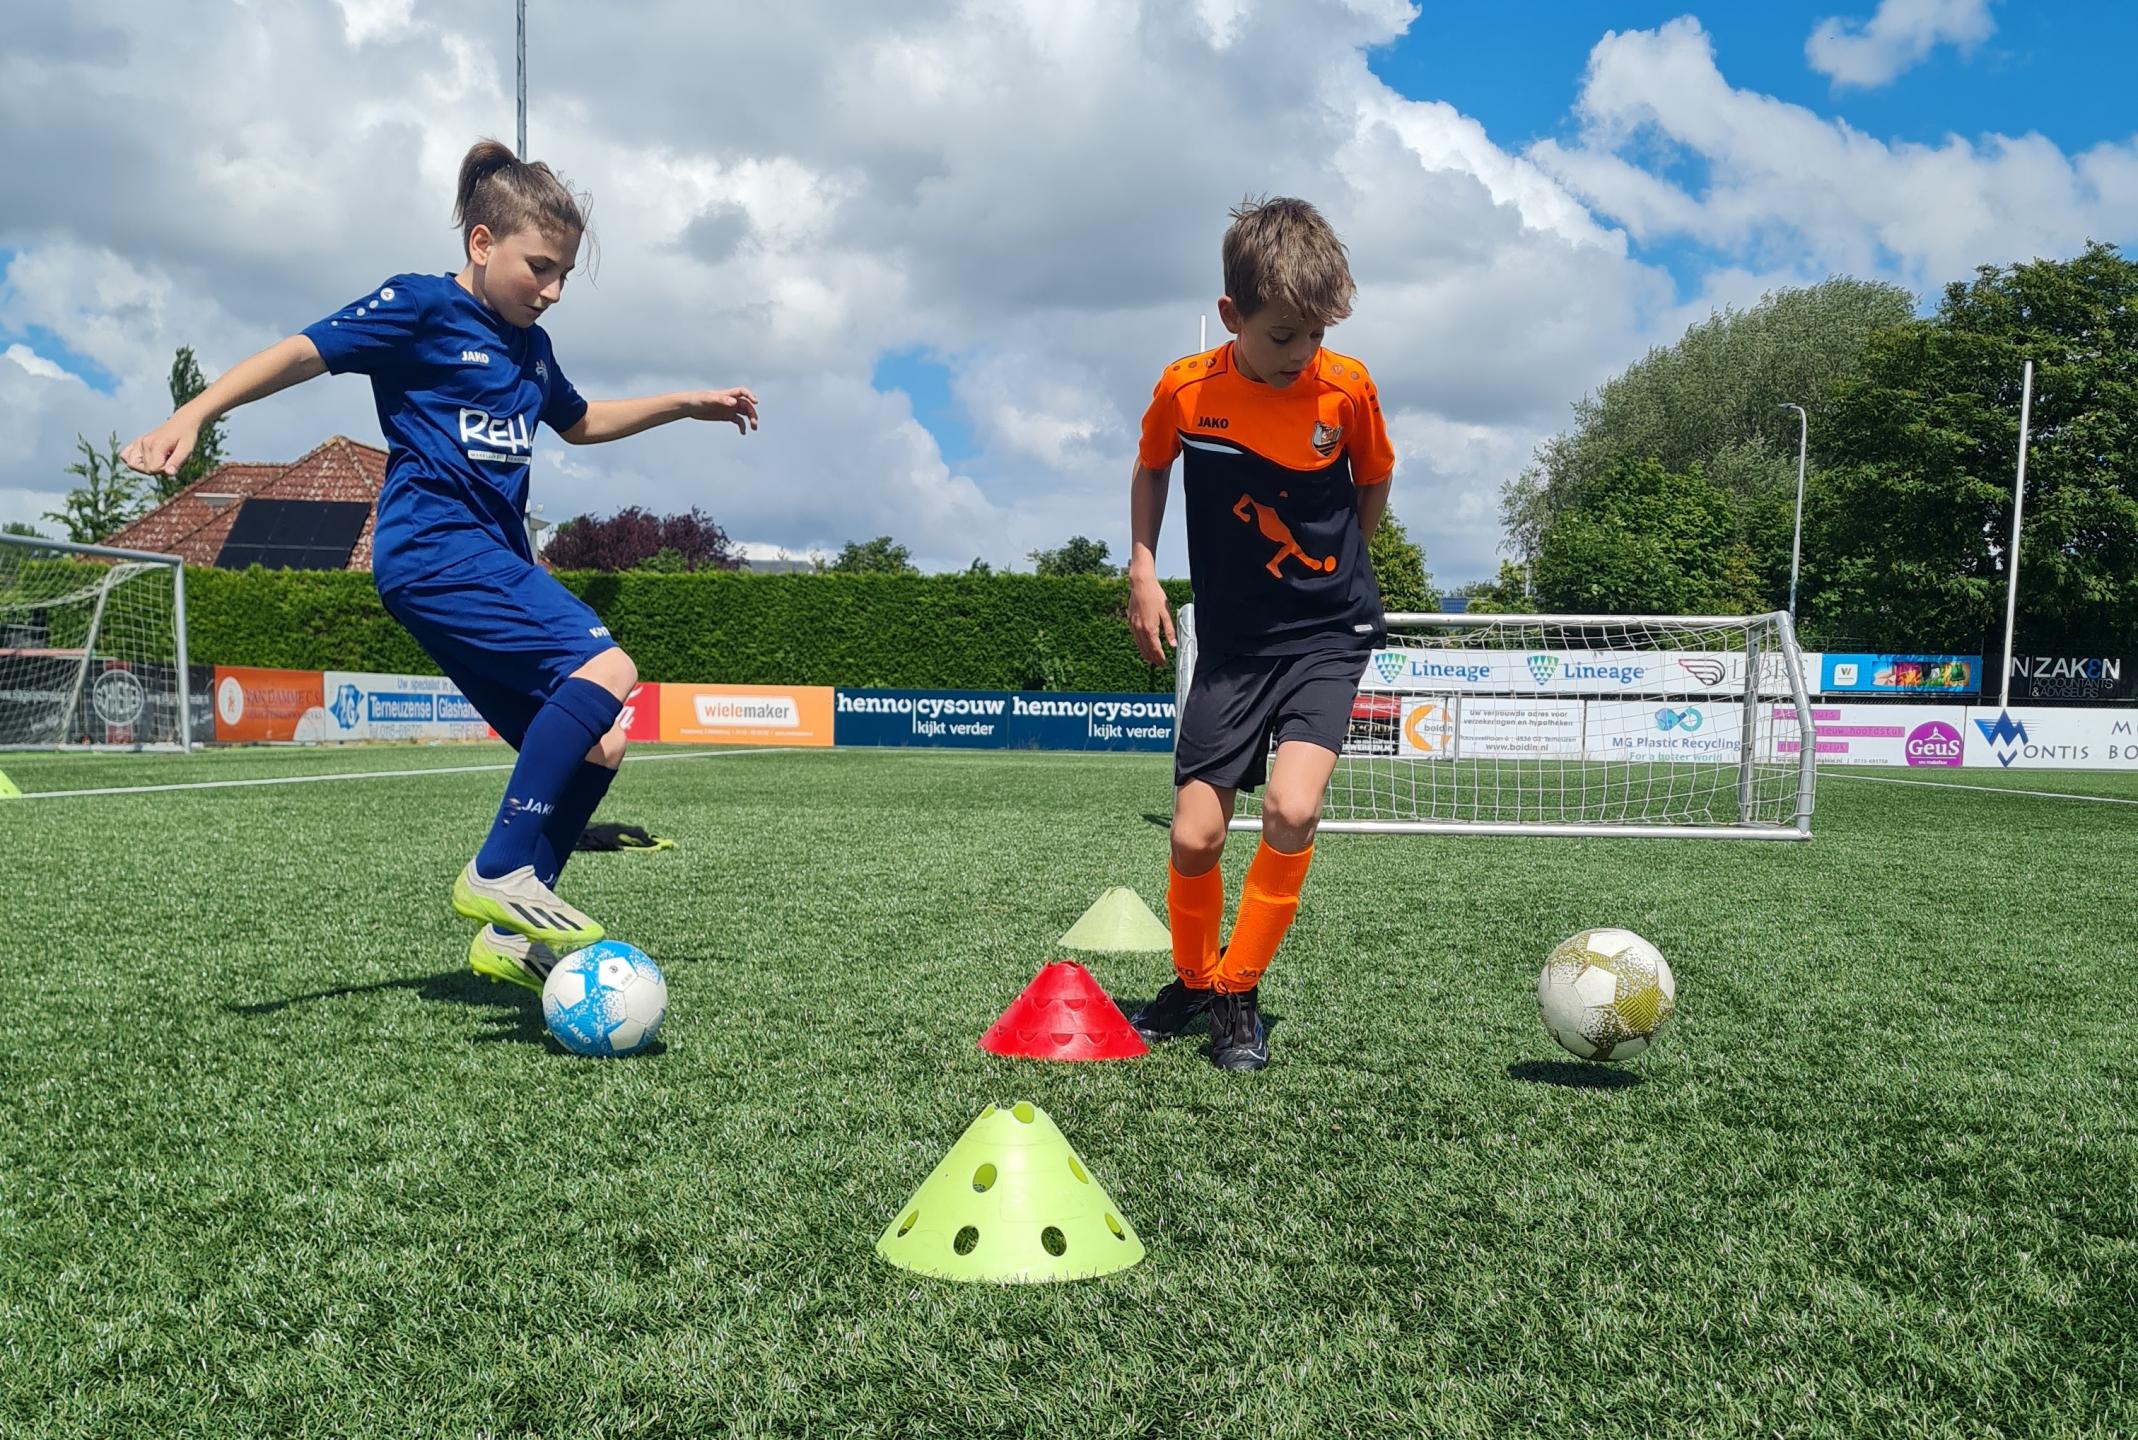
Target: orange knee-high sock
(1268, 901)
(1195, 906)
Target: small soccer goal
(1677, 726)
(92, 648)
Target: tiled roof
(190, 526)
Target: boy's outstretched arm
(283, 364)
(614, 419)
(1149, 616)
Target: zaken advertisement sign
(2069, 677)
(799, 715)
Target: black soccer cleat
(1238, 1038)
(1171, 1013)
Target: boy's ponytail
(506, 194)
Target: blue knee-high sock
(566, 823)
(578, 713)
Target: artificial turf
(274, 1163)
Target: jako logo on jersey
(1326, 436)
(510, 432)
(474, 357)
(1212, 422)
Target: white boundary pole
(2019, 504)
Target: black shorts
(1238, 708)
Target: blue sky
(2063, 68)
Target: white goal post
(1672, 726)
(92, 647)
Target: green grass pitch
(274, 1163)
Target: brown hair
(506, 194)
(1280, 250)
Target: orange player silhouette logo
(1253, 512)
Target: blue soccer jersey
(459, 392)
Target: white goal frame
(1776, 761)
(99, 640)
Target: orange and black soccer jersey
(1275, 554)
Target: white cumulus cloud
(1895, 39)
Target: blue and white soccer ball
(608, 999)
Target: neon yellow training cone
(8, 790)
(1118, 920)
(1011, 1203)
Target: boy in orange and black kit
(1285, 475)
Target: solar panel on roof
(294, 534)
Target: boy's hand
(1149, 617)
(737, 404)
(163, 449)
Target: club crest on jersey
(1326, 437)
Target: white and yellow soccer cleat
(524, 905)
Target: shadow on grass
(1130, 1004)
(513, 1014)
(1572, 1074)
(1163, 822)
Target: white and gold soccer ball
(1605, 993)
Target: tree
(19, 527)
(1647, 539)
(880, 556)
(1712, 400)
(979, 567)
(187, 382)
(1508, 594)
(1906, 541)
(1079, 555)
(1399, 568)
(637, 539)
(108, 497)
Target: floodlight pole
(522, 150)
(1796, 543)
(2019, 502)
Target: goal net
(92, 647)
(1580, 725)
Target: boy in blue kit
(462, 372)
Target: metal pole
(522, 150)
(185, 676)
(1796, 544)
(2019, 502)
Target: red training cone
(1063, 1015)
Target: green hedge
(990, 632)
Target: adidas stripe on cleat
(524, 905)
(515, 959)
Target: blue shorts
(503, 630)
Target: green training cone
(1011, 1203)
(1118, 920)
(8, 790)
